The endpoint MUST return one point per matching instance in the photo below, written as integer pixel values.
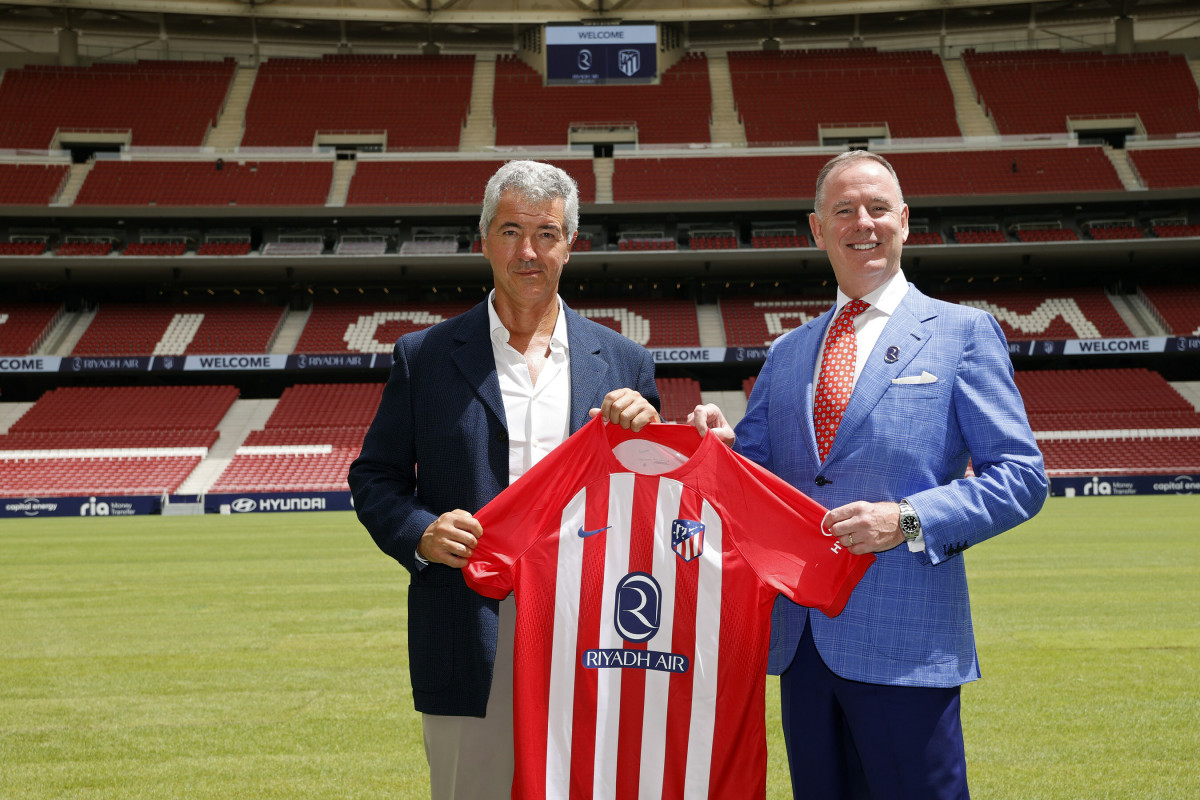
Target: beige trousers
(472, 758)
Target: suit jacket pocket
(430, 643)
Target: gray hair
(532, 180)
(841, 160)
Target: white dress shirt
(868, 326)
(538, 415)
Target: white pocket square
(924, 377)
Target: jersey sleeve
(520, 514)
(787, 547)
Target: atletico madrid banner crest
(687, 538)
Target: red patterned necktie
(836, 380)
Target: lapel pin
(892, 355)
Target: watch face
(909, 525)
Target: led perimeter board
(596, 54)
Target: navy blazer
(439, 442)
(936, 392)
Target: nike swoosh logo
(585, 534)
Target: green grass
(264, 657)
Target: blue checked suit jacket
(439, 442)
(909, 620)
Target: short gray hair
(841, 160)
(533, 180)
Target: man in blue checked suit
(470, 405)
(871, 697)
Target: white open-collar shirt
(538, 415)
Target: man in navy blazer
(470, 404)
(870, 698)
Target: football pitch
(264, 656)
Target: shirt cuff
(423, 562)
(917, 545)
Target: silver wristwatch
(910, 523)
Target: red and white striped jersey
(645, 567)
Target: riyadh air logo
(687, 538)
(584, 59)
(637, 617)
(585, 534)
(629, 62)
(638, 608)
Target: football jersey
(645, 567)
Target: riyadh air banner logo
(637, 616)
(687, 538)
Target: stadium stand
(1111, 231)
(305, 247)
(1103, 399)
(373, 327)
(665, 179)
(1038, 91)
(791, 239)
(308, 442)
(24, 326)
(443, 182)
(419, 102)
(925, 237)
(41, 476)
(90, 248)
(22, 248)
(650, 323)
(1022, 171)
(1101, 421)
(31, 184)
(223, 249)
(368, 327)
(155, 249)
(204, 183)
(642, 242)
(910, 94)
(976, 236)
(1047, 235)
(368, 246)
(683, 89)
(936, 174)
(145, 410)
(1167, 168)
(139, 329)
(1083, 313)
(1141, 456)
(679, 397)
(1176, 307)
(712, 241)
(752, 322)
(125, 440)
(37, 102)
(1172, 230)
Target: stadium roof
(487, 23)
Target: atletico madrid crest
(687, 538)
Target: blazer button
(822, 480)
(501, 436)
